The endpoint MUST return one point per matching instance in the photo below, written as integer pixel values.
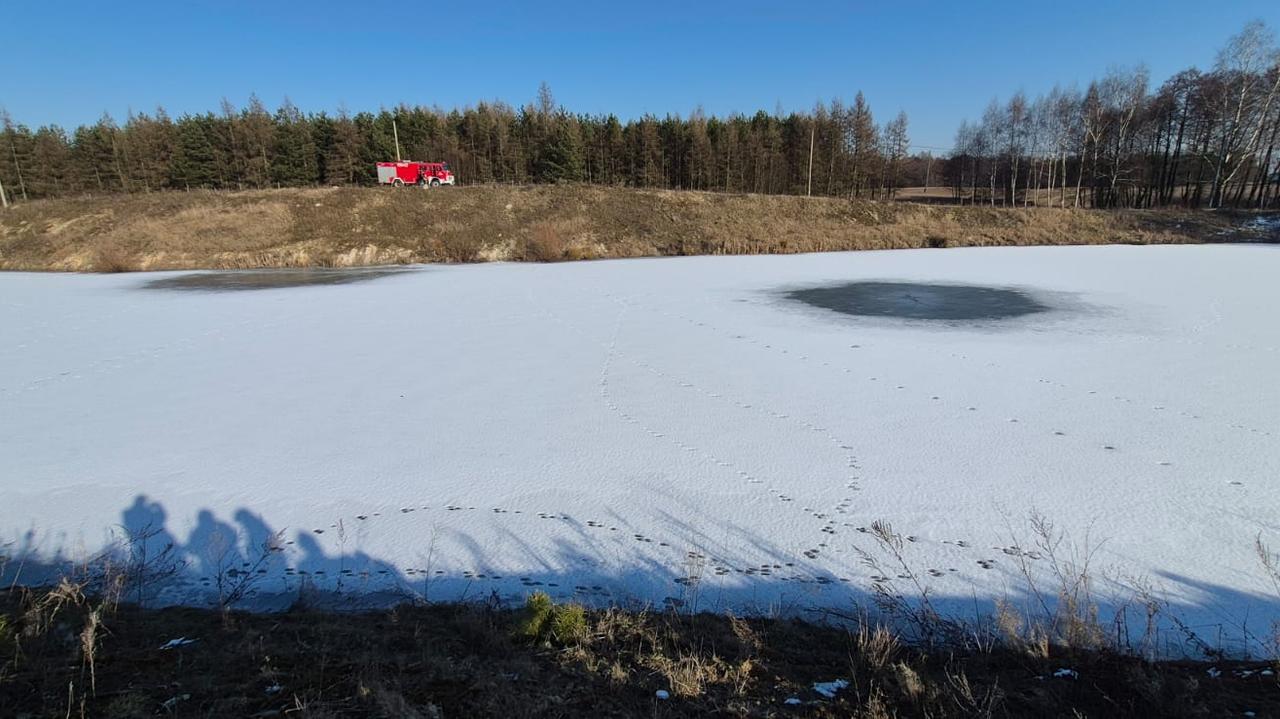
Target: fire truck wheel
(397, 182)
(435, 183)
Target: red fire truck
(425, 174)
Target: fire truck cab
(409, 172)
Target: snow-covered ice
(669, 430)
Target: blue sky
(69, 62)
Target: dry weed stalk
(971, 701)
(237, 583)
(1068, 612)
(876, 646)
(89, 638)
(930, 626)
(1271, 566)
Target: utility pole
(812, 130)
(396, 133)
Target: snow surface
(667, 430)
(1264, 223)
(831, 688)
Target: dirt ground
(62, 654)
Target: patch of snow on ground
(668, 430)
(831, 688)
(1264, 223)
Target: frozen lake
(708, 431)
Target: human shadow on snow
(246, 563)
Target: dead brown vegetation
(341, 227)
(74, 649)
(66, 654)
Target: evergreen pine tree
(193, 162)
(560, 159)
(294, 151)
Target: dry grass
(340, 227)
(107, 256)
(67, 654)
(876, 645)
(545, 244)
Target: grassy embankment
(365, 226)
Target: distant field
(1037, 198)
(1043, 197)
(340, 227)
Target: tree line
(832, 150)
(1200, 139)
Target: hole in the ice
(237, 280)
(917, 301)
